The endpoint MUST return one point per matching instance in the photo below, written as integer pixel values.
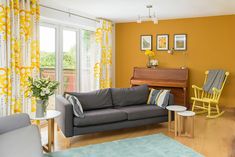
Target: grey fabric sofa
(109, 109)
(18, 138)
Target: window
(48, 56)
(47, 47)
(87, 60)
(68, 56)
(69, 61)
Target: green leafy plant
(42, 88)
(48, 59)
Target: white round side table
(50, 117)
(182, 125)
(175, 109)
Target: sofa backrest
(95, 99)
(130, 96)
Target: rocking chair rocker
(206, 102)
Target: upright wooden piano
(164, 78)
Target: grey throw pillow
(77, 107)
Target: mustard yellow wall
(211, 45)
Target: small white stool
(188, 115)
(174, 108)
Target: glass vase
(149, 63)
(41, 108)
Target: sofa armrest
(65, 120)
(22, 142)
(13, 122)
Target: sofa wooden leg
(57, 126)
(68, 142)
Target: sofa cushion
(130, 96)
(143, 111)
(101, 116)
(94, 100)
(159, 97)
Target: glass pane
(69, 60)
(87, 60)
(48, 57)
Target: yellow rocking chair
(206, 102)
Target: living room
(117, 78)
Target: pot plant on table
(42, 89)
(152, 61)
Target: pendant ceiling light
(150, 17)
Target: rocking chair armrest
(196, 87)
(197, 91)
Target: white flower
(47, 91)
(154, 62)
(42, 93)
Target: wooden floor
(213, 137)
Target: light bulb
(154, 18)
(155, 21)
(139, 20)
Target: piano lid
(162, 77)
(161, 74)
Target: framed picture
(145, 42)
(180, 42)
(162, 42)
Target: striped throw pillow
(159, 97)
(77, 107)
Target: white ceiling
(128, 10)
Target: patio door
(68, 56)
(87, 61)
(48, 59)
(79, 50)
(70, 53)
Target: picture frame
(162, 42)
(180, 42)
(145, 42)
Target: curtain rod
(67, 12)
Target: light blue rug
(157, 145)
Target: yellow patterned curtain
(19, 53)
(103, 66)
